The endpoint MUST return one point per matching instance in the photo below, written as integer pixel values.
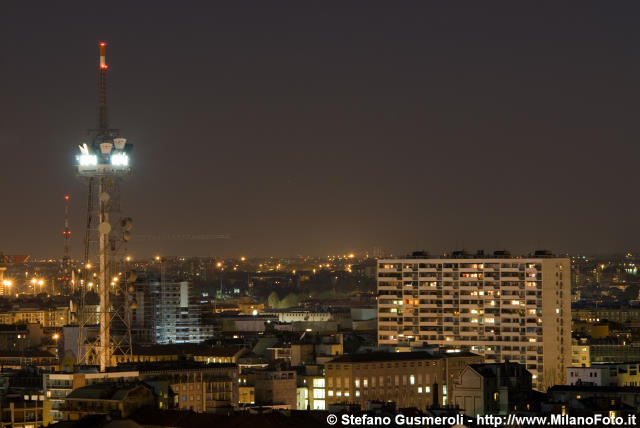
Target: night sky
(320, 127)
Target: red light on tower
(66, 197)
(103, 55)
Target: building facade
(503, 308)
(410, 379)
(620, 374)
(497, 388)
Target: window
(412, 380)
(318, 393)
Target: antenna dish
(104, 228)
(126, 223)
(106, 148)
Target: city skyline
(414, 127)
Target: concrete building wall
(408, 383)
(515, 309)
(469, 393)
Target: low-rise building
(24, 411)
(273, 387)
(495, 389)
(617, 374)
(114, 399)
(57, 386)
(610, 395)
(16, 360)
(410, 379)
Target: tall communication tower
(66, 268)
(103, 163)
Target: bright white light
(87, 160)
(119, 159)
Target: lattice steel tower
(103, 163)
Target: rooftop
(113, 391)
(505, 369)
(396, 356)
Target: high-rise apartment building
(501, 307)
(166, 312)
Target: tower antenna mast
(103, 162)
(66, 258)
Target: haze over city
(286, 214)
(318, 129)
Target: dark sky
(319, 127)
